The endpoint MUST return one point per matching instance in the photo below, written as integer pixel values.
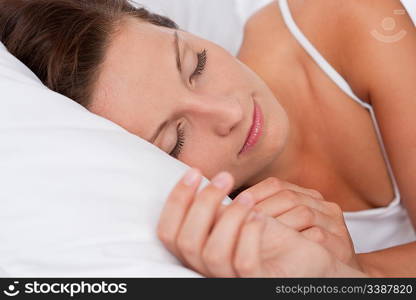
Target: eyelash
(200, 67)
(181, 141)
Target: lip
(255, 131)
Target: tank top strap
(314, 53)
(410, 6)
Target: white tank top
(371, 229)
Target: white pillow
(221, 21)
(79, 195)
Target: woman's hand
(237, 242)
(186, 225)
(306, 211)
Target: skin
(306, 141)
(194, 226)
(215, 112)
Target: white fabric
(79, 195)
(220, 21)
(371, 229)
(410, 6)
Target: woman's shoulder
(264, 21)
(317, 19)
(314, 14)
(268, 46)
(371, 31)
(266, 31)
(323, 20)
(336, 28)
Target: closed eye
(180, 142)
(200, 67)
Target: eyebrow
(177, 52)
(179, 67)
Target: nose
(220, 114)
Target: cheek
(210, 161)
(225, 67)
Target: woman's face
(201, 95)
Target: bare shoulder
(319, 20)
(265, 24)
(350, 33)
(329, 21)
(315, 13)
(266, 27)
(374, 32)
(266, 39)
(339, 29)
(359, 16)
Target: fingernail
(222, 180)
(246, 199)
(191, 177)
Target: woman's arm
(395, 262)
(380, 62)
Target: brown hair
(64, 41)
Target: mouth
(255, 131)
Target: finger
(199, 220)
(286, 200)
(175, 209)
(221, 210)
(328, 240)
(217, 255)
(303, 217)
(247, 261)
(273, 185)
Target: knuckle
(244, 266)
(213, 258)
(187, 247)
(164, 236)
(334, 208)
(178, 196)
(274, 182)
(210, 193)
(317, 234)
(315, 194)
(231, 212)
(290, 197)
(306, 213)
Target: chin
(265, 160)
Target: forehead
(139, 60)
(138, 57)
(137, 46)
(133, 34)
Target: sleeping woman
(311, 127)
